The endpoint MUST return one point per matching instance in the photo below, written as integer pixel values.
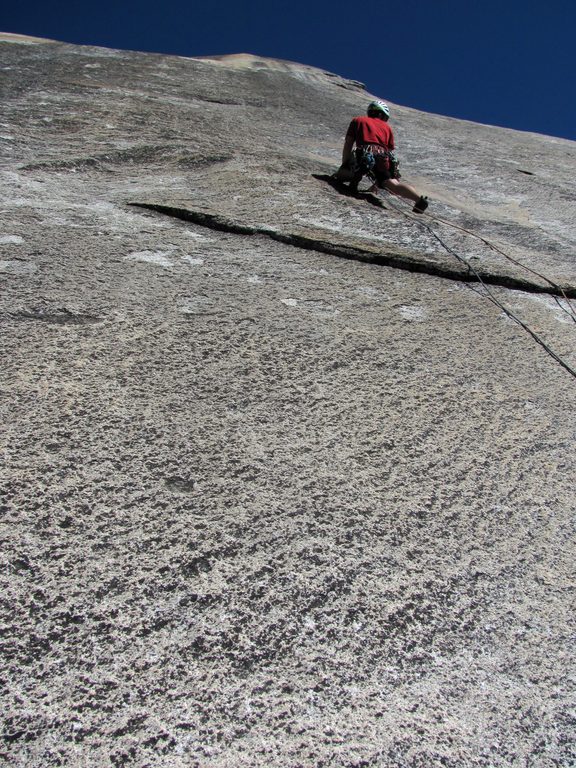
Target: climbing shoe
(421, 205)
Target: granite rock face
(287, 476)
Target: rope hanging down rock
(488, 293)
(568, 309)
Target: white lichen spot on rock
(312, 305)
(151, 257)
(196, 236)
(562, 309)
(14, 267)
(254, 279)
(194, 260)
(412, 313)
(197, 305)
(11, 240)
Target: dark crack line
(399, 261)
(390, 259)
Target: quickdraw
(365, 162)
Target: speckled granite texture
(271, 495)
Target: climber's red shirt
(371, 130)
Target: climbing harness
(370, 159)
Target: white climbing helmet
(379, 106)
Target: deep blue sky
(502, 62)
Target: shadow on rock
(344, 189)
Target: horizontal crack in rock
(397, 259)
(59, 317)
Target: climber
(374, 156)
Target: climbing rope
(568, 309)
(487, 292)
